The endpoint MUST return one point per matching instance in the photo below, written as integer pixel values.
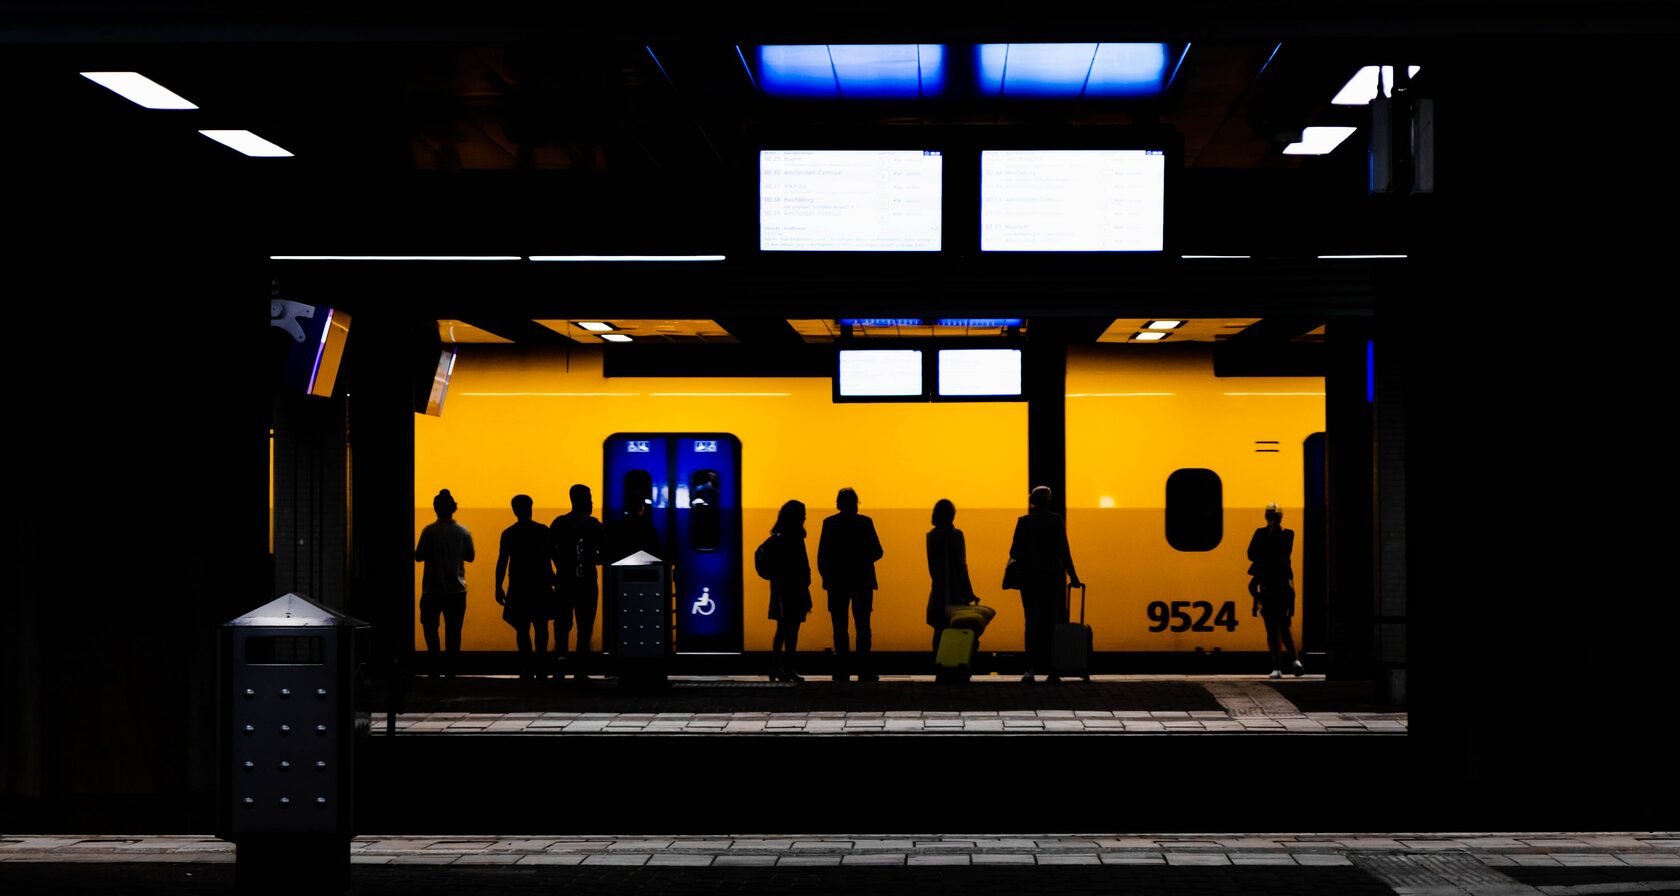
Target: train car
(1161, 545)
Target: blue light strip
(1174, 76)
(750, 79)
(319, 348)
(1371, 370)
(661, 65)
(882, 321)
(982, 322)
(1269, 59)
(1069, 71)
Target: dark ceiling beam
(1275, 329)
(519, 330)
(1265, 348)
(760, 330)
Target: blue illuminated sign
(636, 447)
(852, 71)
(1071, 70)
(983, 322)
(881, 321)
(708, 446)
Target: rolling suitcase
(1070, 651)
(956, 655)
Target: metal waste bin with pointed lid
(641, 616)
(288, 738)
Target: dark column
(1348, 427)
(310, 502)
(1044, 377)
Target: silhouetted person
(524, 559)
(790, 587)
(947, 557)
(1041, 544)
(846, 556)
(635, 532)
(578, 542)
(445, 548)
(1273, 585)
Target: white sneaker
(1275, 674)
(1299, 671)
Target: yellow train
(531, 421)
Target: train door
(678, 497)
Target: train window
(638, 488)
(705, 527)
(1195, 510)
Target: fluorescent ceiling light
(1152, 336)
(852, 71)
(1214, 256)
(1362, 87)
(627, 257)
(1071, 70)
(615, 337)
(1163, 325)
(247, 143)
(394, 258)
(1361, 256)
(595, 326)
(139, 89)
(1318, 141)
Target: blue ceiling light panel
(881, 321)
(979, 322)
(852, 71)
(1070, 71)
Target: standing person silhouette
(1040, 543)
(846, 555)
(528, 600)
(445, 547)
(1272, 586)
(578, 542)
(790, 587)
(947, 557)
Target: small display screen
(870, 373)
(980, 372)
(285, 650)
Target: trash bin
(642, 616)
(287, 743)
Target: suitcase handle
(1081, 601)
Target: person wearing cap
(445, 548)
(1272, 586)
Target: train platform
(1409, 864)
(1152, 705)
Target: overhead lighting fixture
(1362, 87)
(1163, 325)
(595, 326)
(615, 337)
(247, 143)
(982, 323)
(881, 321)
(139, 89)
(1359, 256)
(852, 71)
(1318, 141)
(1150, 336)
(627, 258)
(1215, 256)
(1071, 70)
(394, 257)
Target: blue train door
(678, 497)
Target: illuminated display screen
(895, 373)
(285, 650)
(980, 372)
(1089, 200)
(849, 201)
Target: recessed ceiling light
(1163, 325)
(1214, 256)
(596, 326)
(1361, 256)
(247, 143)
(1151, 336)
(1318, 141)
(615, 337)
(1362, 87)
(139, 89)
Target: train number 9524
(1191, 616)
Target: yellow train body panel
(533, 422)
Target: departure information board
(849, 200)
(1086, 200)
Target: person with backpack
(1273, 586)
(782, 560)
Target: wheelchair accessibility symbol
(705, 606)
